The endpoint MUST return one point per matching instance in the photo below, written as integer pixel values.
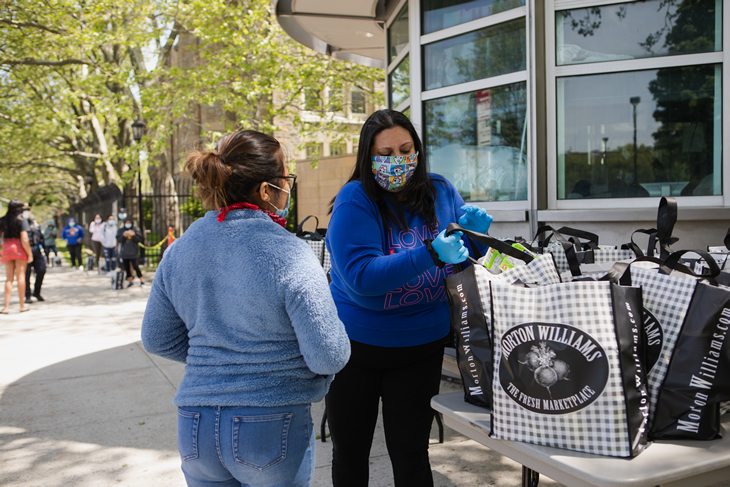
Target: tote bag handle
(496, 244)
(309, 235)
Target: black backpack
(35, 237)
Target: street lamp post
(604, 161)
(138, 129)
(634, 100)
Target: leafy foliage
(75, 74)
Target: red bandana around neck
(247, 206)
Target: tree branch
(40, 62)
(20, 165)
(167, 48)
(30, 24)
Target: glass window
(314, 149)
(407, 112)
(359, 102)
(337, 149)
(493, 51)
(398, 35)
(335, 100)
(640, 134)
(478, 142)
(638, 30)
(400, 83)
(440, 14)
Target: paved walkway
(82, 404)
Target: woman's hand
(450, 249)
(475, 219)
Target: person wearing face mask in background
(95, 230)
(74, 236)
(109, 242)
(37, 242)
(121, 216)
(389, 252)
(129, 237)
(49, 236)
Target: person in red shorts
(16, 251)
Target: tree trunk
(166, 210)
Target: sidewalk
(82, 404)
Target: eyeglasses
(292, 179)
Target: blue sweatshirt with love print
(387, 289)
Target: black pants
(128, 264)
(39, 264)
(75, 251)
(405, 379)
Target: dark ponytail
(232, 172)
(12, 222)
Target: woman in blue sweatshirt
(389, 257)
(245, 304)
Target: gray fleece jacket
(246, 305)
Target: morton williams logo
(654, 339)
(552, 368)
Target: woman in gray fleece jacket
(245, 304)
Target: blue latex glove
(475, 219)
(450, 249)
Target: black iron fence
(166, 207)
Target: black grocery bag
(567, 367)
(667, 289)
(472, 337)
(315, 240)
(467, 291)
(698, 379)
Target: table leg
(530, 478)
(322, 431)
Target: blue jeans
(246, 446)
(110, 257)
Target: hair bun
(209, 171)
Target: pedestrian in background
(74, 236)
(389, 250)
(50, 233)
(16, 251)
(36, 241)
(245, 304)
(129, 238)
(109, 242)
(95, 230)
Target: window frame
(509, 211)
(353, 113)
(401, 55)
(553, 72)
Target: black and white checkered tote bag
(666, 300)
(315, 240)
(567, 368)
(687, 323)
(697, 382)
(470, 322)
(600, 255)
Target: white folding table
(663, 463)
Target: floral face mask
(393, 172)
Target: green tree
(75, 74)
